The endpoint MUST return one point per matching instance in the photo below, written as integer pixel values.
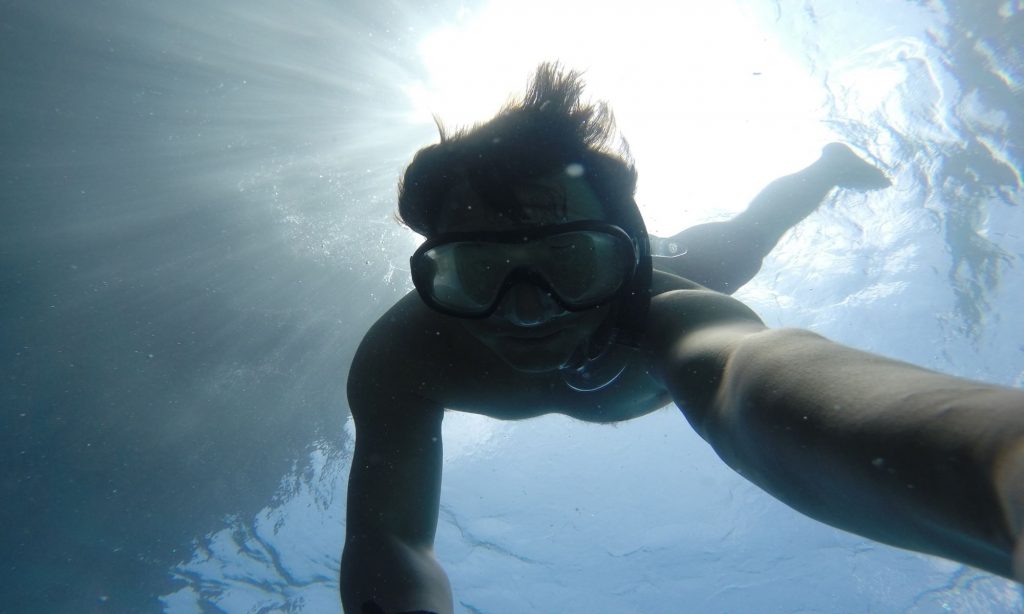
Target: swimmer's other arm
(890, 451)
(394, 489)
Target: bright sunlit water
(197, 230)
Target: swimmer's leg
(724, 256)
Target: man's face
(529, 330)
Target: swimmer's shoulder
(419, 349)
(410, 330)
(415, 352)
(662, 282)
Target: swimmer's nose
(527, 305)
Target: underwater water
(197, 230)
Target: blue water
(197, 230)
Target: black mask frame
(422, 269)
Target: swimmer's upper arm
(394, 490)
(885, 449)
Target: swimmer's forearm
(881, 448)
(394, 490)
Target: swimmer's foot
(851, 171)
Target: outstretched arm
(882, 448)
(724, 256)
(388, 564)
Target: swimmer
(536, 292)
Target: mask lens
(467, 276)
(585, 267)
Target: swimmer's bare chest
(443, 362)
(501, 392)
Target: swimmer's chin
(530, 351)
(530, 366)
(539, 360)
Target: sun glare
(712, 106)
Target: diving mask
(581, 265)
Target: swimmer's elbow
(714, 373)
(697, 371)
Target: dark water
(167, 353)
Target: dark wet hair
(545, 132)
